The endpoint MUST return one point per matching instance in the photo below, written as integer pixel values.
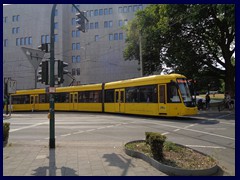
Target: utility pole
(52, 81)
(140, 53)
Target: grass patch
(176, 156)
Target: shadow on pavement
(51, 169)
(119, 161)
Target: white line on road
(63, 135)
(78, 132)
(165, 133)
(200, 146)
(193, 130)
(191, 125)
(27, 127)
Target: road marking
(27, 127)
(202, 132)
(64, 135)
(175, 130)
(191, 125)
(78, 132)
(165, 133)
(200, 146)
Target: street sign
(34, 56)
(11, 86)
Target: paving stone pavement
(72, 159)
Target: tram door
(73, 101)
(119, 100)
(162, 106)
(34, 102)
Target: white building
(93, 57)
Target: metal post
(52, 83)
(140, 53)
(35, 70)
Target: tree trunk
(230, 79)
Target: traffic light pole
(52, 82)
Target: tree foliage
(194, 40)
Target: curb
(168, 169)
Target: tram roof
(148, 80)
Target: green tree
(194, 40)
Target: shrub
(6, 127)
(156, 141)
(170, 146)
(148, 135)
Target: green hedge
(6, 128)
(156, 141)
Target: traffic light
(43, 72)
(81, 22)
(61, 71)
(43, 47)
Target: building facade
(95, 56)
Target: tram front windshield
(185, 92)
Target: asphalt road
(210, 132)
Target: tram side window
(90, 96)
(97, 96)
(172, 92)
(132, 94)
(21, 99)
(142, 94)
(148, 94)
(109, 96)
(62, 97)
(43, 98)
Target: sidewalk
(71, 159)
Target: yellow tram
(158, 95)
